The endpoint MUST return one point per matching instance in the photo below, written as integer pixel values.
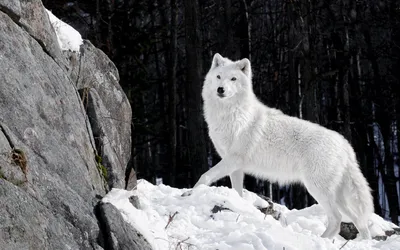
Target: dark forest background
(335, 63)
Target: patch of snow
(159, 181)
(68, 38)
(241, 226)
(137, 218)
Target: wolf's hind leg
(362, 226)
(358, 219)
(334, 219)
(360, 222)
(237, 181)
(326, 199)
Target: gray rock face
(108, 110)
(42, 116)
(103, 128)
(32, 17)
(122, 235)
(50, 175)
(27, 223)
(11, 7)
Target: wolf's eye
(218, 76)
(233, 79)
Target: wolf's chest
(224, 136)
(227, 129)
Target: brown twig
(170, 219)
(183, 241)
(237, 218)
(344, 244)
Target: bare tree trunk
(371, 169)
(194, 81)
(225, 46)
(346, 89)
(110, 35)
(245, 31)
(172, 92)
(308, 105)
(389, 178)
(245, 44)
(398, 135)
(97, 23)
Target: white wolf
(254, 139)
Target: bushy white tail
(355, 197)
(360, 198)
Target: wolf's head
(227, 80)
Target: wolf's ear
(244, 66)
(218, 61)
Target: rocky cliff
(64, 139)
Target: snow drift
(218, 218)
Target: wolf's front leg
(223, 168)
(237, 181)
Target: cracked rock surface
(108, 110)
(50, 175)
(121, 235)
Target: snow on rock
(68, 38)
(170, 221)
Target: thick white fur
(254, 139)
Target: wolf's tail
(358, 195)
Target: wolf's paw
(187, 193)
(204, 180)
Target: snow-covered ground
(242, 226)
(68, 38)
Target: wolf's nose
(220, 90)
